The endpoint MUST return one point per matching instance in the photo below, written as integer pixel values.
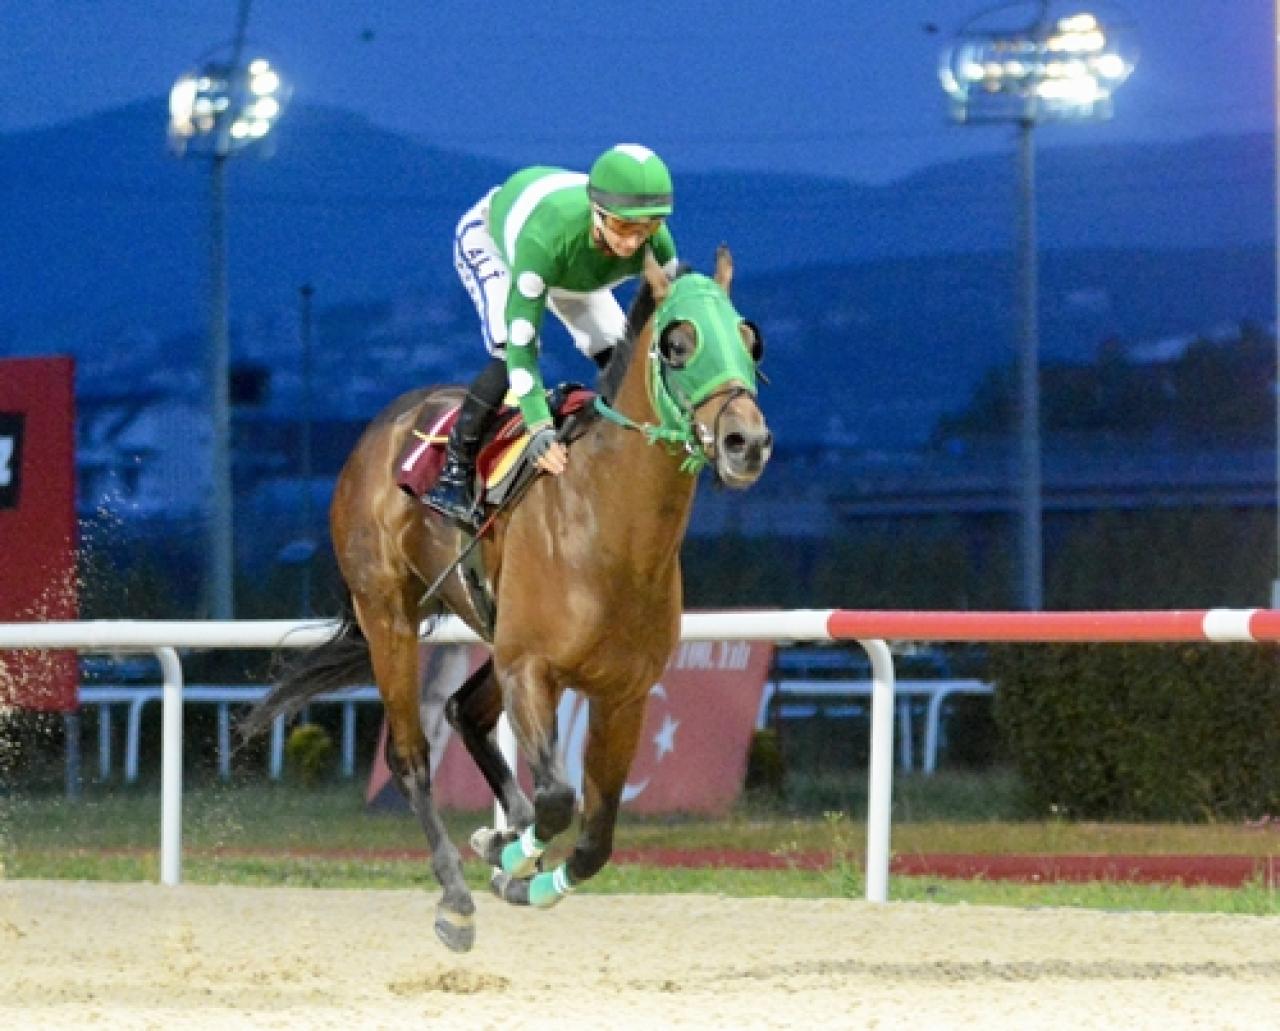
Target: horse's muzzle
(742, 453)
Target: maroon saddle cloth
(422, 456)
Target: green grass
(242, 834)
(946, 813)
(843, 880)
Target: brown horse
(585, 574)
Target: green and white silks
(540, 221)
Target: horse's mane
(638, 317)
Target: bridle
(680, 381)
(707, 438)
(689, 434)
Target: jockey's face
(623, 237)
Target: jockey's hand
(548, 454)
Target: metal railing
(871, 630)
(136, 697)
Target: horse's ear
(724, 267)
(656, 278)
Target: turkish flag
(692, 753)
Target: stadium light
(220, 108)
(1275, 386)
(1025, 64)
(223, 106)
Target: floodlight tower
(1275, 584)
(1025, 64)
(223, 107)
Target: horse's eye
(677, 344)
(753, 338)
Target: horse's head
(702, 369)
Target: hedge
(1143, 732)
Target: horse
(585, 576)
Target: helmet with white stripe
(631, 182)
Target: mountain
(873, 353)
(882, 304)
(113, 228)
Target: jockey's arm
(664, 250)
(526, 305)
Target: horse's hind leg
(473, 712)
(392, 634)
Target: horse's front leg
(614, 730)
(393, 647)
(531, 694)
(611, 745)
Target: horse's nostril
(735, 443)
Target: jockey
(563, 240)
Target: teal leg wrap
(520, 858)
(547, 889)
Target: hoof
(488, 844)
(509, 889)
(458, 933)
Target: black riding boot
(452, 494)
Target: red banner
(692, 755)
(38, 523)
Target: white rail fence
(870, 629)
(164, 638)
(135, 698)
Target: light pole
(302, 549)
(217, 110)
(1275, 584)
(306, 292)
(1010, 65)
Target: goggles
(628, 227)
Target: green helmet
(632, 182)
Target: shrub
(766, 769)
(1156, 732)
(972, 735)
(309, 754)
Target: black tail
(342, 661)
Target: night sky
(830, 86)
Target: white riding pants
(594, 320)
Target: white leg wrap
(529, 844)
(560, 881)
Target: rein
(676, 438)
(693, 437)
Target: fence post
(171, 769)
(348, 740)
(71, 733)
(511, 752)
(104, 742)
(880, 770)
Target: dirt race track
(141, 956)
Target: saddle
(502, 464)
